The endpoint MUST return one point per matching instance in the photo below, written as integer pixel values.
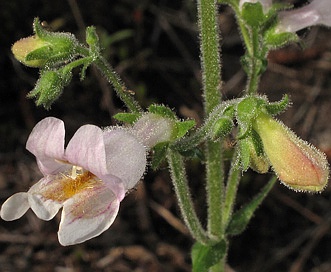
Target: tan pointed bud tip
(24, 46)
(298, 164)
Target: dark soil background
(153, 45)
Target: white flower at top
(318, 12)
(88, 179)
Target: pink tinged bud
(316, 13)
(297, 164)
(152, 129)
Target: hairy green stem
(255, 66)
(179, 179)
(211, 72)
(121, 90)
(112, 77)
(231, 189)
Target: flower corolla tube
(88, 179)
(297, 164)
(315, 13)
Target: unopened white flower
(318, 12)
(152, 129)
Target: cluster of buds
(265, 141)
(48, 51)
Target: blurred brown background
(154, 47)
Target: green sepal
(162, 110)
(244, 153)
(194, 153)
(221, 128)
(245, 113)
(252, 13)
(205, 256)
(127, 117)
(182, 127)
(257, 143)
(258, 160)
(159, 154)
(242, 217)
(92, 39)
(275, 108)
(38, 29)
(277, 40)
(41, 53)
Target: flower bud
(152, 129)
(315, 13)
(24, 46)
(297, 164)
(49, 87)
(45, 48)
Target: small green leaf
(242, 217)
(126, 117)
(205, 256)
(276, 40)
(159, 154)
(253, 14)
(182, 127)
(162, 110)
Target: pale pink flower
(318, 12)
(88, 179)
